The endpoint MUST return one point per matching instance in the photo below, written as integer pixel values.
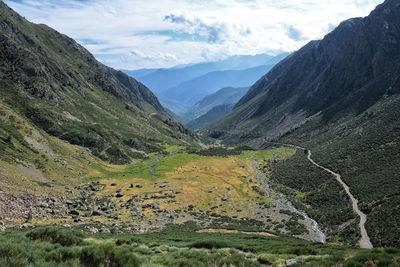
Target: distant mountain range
(159, 80)
(211, 116)
(180, 88)
(340, 97)
(227, 95)
(190, 92)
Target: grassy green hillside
(57, 86)
(61, 114)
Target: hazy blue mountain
(173, 115)
(190, 92)
(226, 95)
(210, 117)
(139, 73)
(159, 80)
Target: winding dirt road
(364, 241)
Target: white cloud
(133, 34)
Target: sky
(134, 34)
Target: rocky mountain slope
(57, 86)
(346, 72)
(62, 113)
(338, 96)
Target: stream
(157, 160)
(284, 204)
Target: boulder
(290, 262)
(74, 212)
(97, 213)
(92, 230)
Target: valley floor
(215, 191)
(184, 207)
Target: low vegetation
(318, 193)
(176, 245)
(365, 151)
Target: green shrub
(144, 250)
(63, 254)
(62, 236)
(371, 257)
(210, 244)
(123, 256)
(301, 250)
(93, 255)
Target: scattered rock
(74, 212)
(104, 230)
(97, 213)
(153, 206)
(92, 230)
(290, 262)
(120, 194)
(264, 261)
(113, 184)
(139, 186)
(43, 205)
(25, 226)
(131, 186)
(224, 199)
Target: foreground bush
(210, 244)
(175, 246)
(62, 236)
